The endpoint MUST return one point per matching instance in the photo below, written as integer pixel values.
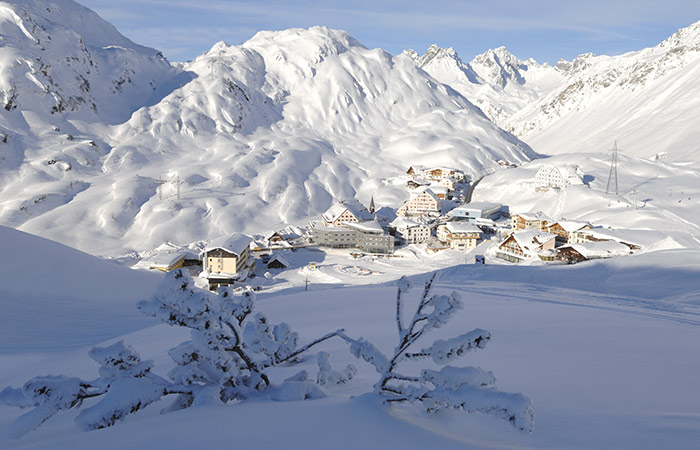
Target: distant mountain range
(647, 100)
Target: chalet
(224, 259)
(440, 192)
(522, 245)
(568, 231)
(530, 221)
(605, 234)
(416, 183)
(558, 176)
(573, 253)
(277, 261)
(415, 171)
(409, 231)
(459, 235)
(345, 212)
(164, 261)
(422, 202)
(275, 238)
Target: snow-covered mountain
(244, 138)
(646, 100)
(496, 81)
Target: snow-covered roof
(571, 173)
(161, 260)
(569, 225)
(279, 258)
(403, 222)
(418, 192)
(531, 240)
(462, 227)
(354, 206)
(235, 243)
(478, 206)
(439, 189)
(369, 227)
(539, 215)
(602, 249)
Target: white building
(459, 235)
(477, 210)
(366, 236)
(420, 203)
(527, 244)
(558, 176)
(409, 231)
(345, 212)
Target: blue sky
(544, 30)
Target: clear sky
(544, 30)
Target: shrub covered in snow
(468, 388)
(226, 360)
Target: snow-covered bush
(468, 388)
(226, 360)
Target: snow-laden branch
(467, 388)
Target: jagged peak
(688, 36)
(436, 52)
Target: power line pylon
(612, 188)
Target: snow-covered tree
(227, 359)
(468, 388)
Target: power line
(612, 178)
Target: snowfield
(611, 368)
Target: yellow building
(224, 259)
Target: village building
(436, 173)
(568, 231)
(163, 261)
(558, 176)
(224, 259)
(409, 231)
(448, 183)
(345, 212)
(573, 253)
(527, 244)
(420, 203)
(459, 235)
(605, 234)
(371, 238)
(417, 183)
(530, 221)
(440, 192)
(366, 236)
(477, 210)
(277, 261)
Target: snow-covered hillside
(254, 136)
(53, 296)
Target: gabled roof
(235, 243)
(530, 240)
(371, 226)
(402, 222)
(572, 174)
(354, 206)
(427, 191)
(602, 249)
(569, 225)
(462, 227)
(539, 215)
(279, 258)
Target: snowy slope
(646, 100)
(260, 135)
(55, 297)
(621, 360)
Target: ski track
(656, 309)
